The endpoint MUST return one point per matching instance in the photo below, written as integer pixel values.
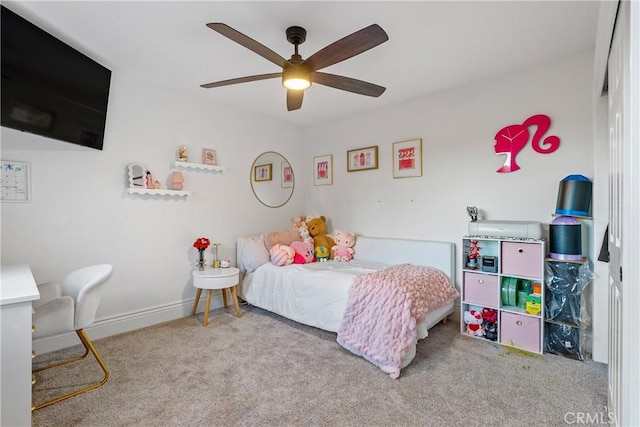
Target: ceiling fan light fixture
(296, 79)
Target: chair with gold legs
(70, 307)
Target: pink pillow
(281, 254)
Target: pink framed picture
(209, 157)
(362, 159)
(323, 170)
(286, 180)
(407, 158)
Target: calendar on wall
(15, 182)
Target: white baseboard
(122, 323)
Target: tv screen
(49, 88)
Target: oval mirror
(272, 180)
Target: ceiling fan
(298, 73)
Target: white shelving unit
(188, 165)
(489, 286)
(160, 192)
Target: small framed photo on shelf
(263, 172)
(362, 159)
(286, 180)
(323, 170)
(209, 156)
(407, 158)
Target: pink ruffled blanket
(384, 308)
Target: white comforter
(314, 294)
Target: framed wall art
(323, 170)
(15, 181)
(407, 158)
(362, 159)
(286, 175)
(263, 172)
(209, 156)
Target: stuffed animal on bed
(304, 252)
(281, 237)
(281, 254)
(303, 231)
(343, 251)
(321, 253)
(317, 229)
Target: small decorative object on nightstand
(216, 260)
(201, 244)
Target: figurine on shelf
(149, 181)
(177, 180)
(182, 153)
(474, 253)
(157, 185)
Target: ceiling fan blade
(248, 42)
(347, 47)
(294, 99)
(347, 83)
(241, 80)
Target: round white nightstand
(216, 278)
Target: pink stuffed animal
(281, 254)
(343, 249)
(304, 252)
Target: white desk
(17, 291)
(216, 278)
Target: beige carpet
(263, 370)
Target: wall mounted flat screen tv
(48, 87)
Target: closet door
(624, 230)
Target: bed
(317, 294)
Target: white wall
(80, 213)
(457, 128)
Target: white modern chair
(71, 307)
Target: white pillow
(254, 253)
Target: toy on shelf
(474, 253)
(490, 323)
(473, 319)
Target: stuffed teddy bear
(343, 251)
(473, 319)
(304, 252)
(317, 229)
(281, 254)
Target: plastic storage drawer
(481, 289)
(521, 259)
(520, 331)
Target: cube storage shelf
(505, 288)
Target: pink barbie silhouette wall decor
(512, 139)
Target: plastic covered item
(564, 300)
(565, 340)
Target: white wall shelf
(159, 192)
(202, 166)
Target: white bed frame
(328, 313)
(441, 255)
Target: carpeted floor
(263, 370)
